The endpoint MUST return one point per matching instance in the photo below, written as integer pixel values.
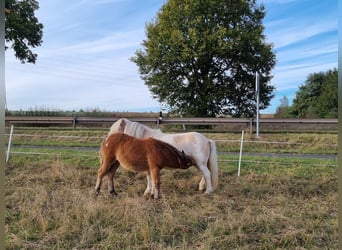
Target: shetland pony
(137, 154)
(195, 145)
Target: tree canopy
(22, 28)
(283, 110)
(200, 57)
(318, 97)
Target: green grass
(308, 143)
(276, 203)
(305, 143)
(58, 137)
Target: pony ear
(122, 125)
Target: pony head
(189, 160)
(118, 126)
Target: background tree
(22, 28)
(200, 57)
(284, 109)
(327, 102)
(318, 97)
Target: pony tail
(100, 151)
(212, 164)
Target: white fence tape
(11, 135)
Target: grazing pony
(137, 154)
(195, 145)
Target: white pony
(195, 145)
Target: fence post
(74, 121)
(240, 156)
(9, 144)
(257, 91)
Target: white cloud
(116, 42)
(278, 1)
(308, 51)
(86, 3)
(291, 76)
(282, 33)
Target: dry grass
(51, 205)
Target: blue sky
(84, 63)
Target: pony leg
(103, 170)
(110, 176)
(100, 175)
(206, 179)
(201, 185)
(149, 187)
(155, 173)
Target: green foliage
(22, 28)
(318, 97)
(200, 57)
(284, 110)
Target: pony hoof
(152, 197)
(114, 194)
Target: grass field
(275, 204)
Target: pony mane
(137, 130)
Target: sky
(84, 60)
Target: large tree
(22, 28)
(200, 57)
(318, 97)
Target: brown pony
(135, 154)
